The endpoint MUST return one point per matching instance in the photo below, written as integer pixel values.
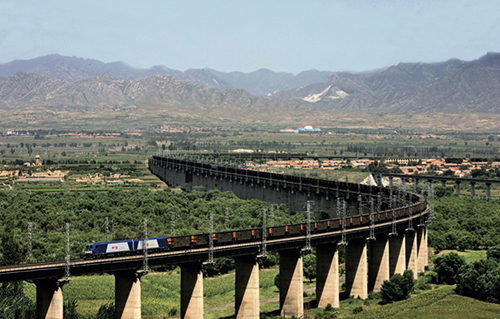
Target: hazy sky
(234, 35)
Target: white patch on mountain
(313, 98)
(339, 95)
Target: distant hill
(265, 81)
(27, 90)
(453, 86)
(74, 69)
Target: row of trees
(167, 213)
(464, 223)
(479, 280)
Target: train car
(321, 226)
(225, 237)
(155, 244)
(110, 248)
(296, 229)
(177, 242)
(365, 219)
(277, 231)
(200, 240)
(248, 235)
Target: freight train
(161, 244)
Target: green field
(161, 299)
(441, 303)
(161, 293)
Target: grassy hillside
(440, 303)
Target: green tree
(106, 311)
(70, 310)
(12, 253)
(447, 267)
(480, 280)
(13, 302)
(494, 253)
(277, 281)
(309, 266)
(397, 288)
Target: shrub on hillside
(480, 280)
(494, 253)
(447, 267)
(398, 288)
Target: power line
(145, 266)
(211, 240)
(66, 269)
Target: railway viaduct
(395, 239)
(417, 179)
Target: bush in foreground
(481, 279)
(398, 288)
(447, 267)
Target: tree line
(168, 213)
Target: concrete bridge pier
(356, 269)
(488, 190)
(327, 275)
(443, 184)
(291, 287)
(429, 187)
(416, 181)
(411, 252)
(191, 291)
(378, 267)
(391, 181)
(457, 183)
(423, 249)
(397, 254)
(473, 189)
(49, 298)
(247, 293)
(127, 294)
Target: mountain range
(72, 69)
(453, 86)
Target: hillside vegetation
(185, 213)
(464, 223)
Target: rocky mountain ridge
(453, 86)
(74, 69)
(28, 90)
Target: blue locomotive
(124, 247)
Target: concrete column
(422, 254)
(473, 189)
(191, 291)
(457, 183)
(429, 186)
(397, 254)
(127, 294)
(378, 266)
(488, 190)
(49, 299)
(411, 252)
(247, 288)
(416, 180)
(391, 181)
(291, 287)
(443, 183)
(356, 270)
(327, 275)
